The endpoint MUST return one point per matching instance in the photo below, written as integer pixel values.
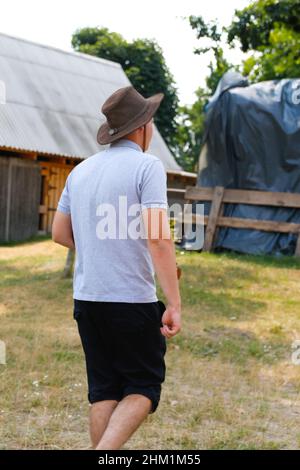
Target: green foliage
(191, 119)
(210, 32)
(268, 30)
(217, 70)
(253, 24)
(144, 64)
(190, 128)
(271, 29)
(205, 29)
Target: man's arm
(62, 232)
(162, 252)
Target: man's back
(104, 195)
(122, 326)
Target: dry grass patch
(230, 381)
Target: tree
(190, 128)
(191, 119)
(271, 29)
(218, 65)
(144, 64)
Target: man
(122, 325)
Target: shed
(50, 103)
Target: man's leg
(103, 385)
(126, 418)
(100, 413)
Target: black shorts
(124, 348)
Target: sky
(53, 22)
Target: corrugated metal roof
(54, 99)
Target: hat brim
(103, 136)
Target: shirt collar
(126, 143)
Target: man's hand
(162, 251)
(171, 321)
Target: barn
(50, 103)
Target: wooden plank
(4, 194)
(262, 198)
(254, 224)
(8, 200)
(191, 175)
(51, 164)
(45, 199)
(213, 218)
(176, 191)
(20, 161)
(221, 211)
(245, 196)
(56, 176)
(42, 209)
(195, 193)
(191, 218)
(297, 250)
(253, 197)
(30, 156)
(24, 199)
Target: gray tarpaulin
(252, 141)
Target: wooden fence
(219, 196)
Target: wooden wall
(54, 176)
(3, 196)
(20, 187)
(31, 185)
(176, 183)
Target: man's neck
(136, 141)
(125, 142)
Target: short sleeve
(64, 203)
(154, 186)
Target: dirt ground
(231, 382)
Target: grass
(230, 382)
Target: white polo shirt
(113, 264)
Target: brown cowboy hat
(126, 110)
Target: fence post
(215, 211)
(297, 250)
